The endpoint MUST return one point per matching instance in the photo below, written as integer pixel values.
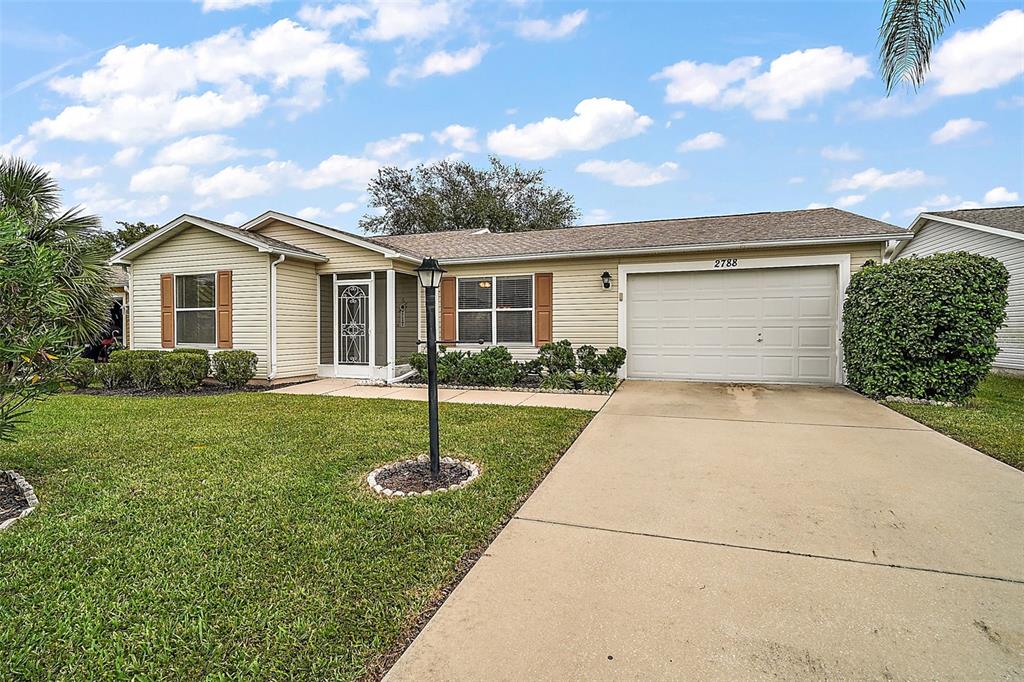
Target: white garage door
(770, 325)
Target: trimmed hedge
(924, 327)
(183, 371)
(234, 367)
(142, 367)
(199, 352)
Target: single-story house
(118, 277)
(754, 297)
(995, 232)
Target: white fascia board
(721, 246)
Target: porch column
(391, 324)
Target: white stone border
(472, 467)
(917, 401)
(30, 497)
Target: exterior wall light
(606, 279)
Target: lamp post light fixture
(606, 279)
(430, 272)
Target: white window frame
(494, 309)
(177, 326)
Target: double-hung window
(496, 309)
(195, 309)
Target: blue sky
(227, 108)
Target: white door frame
(840, 260)
(347, 370)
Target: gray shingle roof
(1005, 218)
(682, 232)
(270, 242)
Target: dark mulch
(415, 477)
(12, 500)
(531, 382)
(207, 388)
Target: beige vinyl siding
(296, 319)
(344, 257)
(936, 237)
(195, 251)
(584, 312)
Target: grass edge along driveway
(234, 537)
(992, 421)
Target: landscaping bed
(235, 536)
(991, 421)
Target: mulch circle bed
(17, 499)
(411, 478)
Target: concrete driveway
(746, 532)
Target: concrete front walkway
(349, 388)
(701, 531)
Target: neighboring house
(996, 232)
(754, 297)
(119, 304)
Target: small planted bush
(492, 366)
(234, 367)
(112, 374)
(142, 367)
(557, 381)
(81, 372)
(613, 359)
(602, 383)
(182, 371)
(200, 353)
(557, 357)
(924, 327)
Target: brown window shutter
(167, 311)
(448, 309)
(224, 309)
(542, 296)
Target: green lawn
(993, 421)
(233, 536)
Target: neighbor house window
(496, 309)
(195, 309)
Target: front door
(355, 327)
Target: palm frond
(909, 31)
(28, 189)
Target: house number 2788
(725, 263)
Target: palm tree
(909, 31)
(34, 197)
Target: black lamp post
(430, 272)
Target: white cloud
(956, 128)
(541, 29)
(598, 121)
(815, 204)
(223, 5)
(76, 169)
(409, 20)
(235, 218)
(874, 180)
(338, 171)
(792, 81)
(126, 156)
(346, 207)
(843, 152)
(392, 147)
(595, 216)
(329, 17)
(18, 146)
(459, 137)
(148, 91)
(239, 182)
(850, 200)
(235, 182)
(159, 179)
(703, 142)
(203, 149)
(628, 173)
(312, 213)
(980, 59)
(98, 200)
(441, 63)
(797, 180)
(1000, 195)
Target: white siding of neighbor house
(584, 312)
(936, 237)
(196, 251)
(296, 319)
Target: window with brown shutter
(542, 285)
(224, 309)
(447, 309)
(167, 310)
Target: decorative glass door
(353, 323)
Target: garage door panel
(706, 325)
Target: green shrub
(557, 381)
(924, 327)
(198, 352)
(81, 372)
(557, 357)
(448, 362)
(613, 359)
(182, 371)
(588, 359)
(142, 367)
(493, 366)
(603, 383)
(112, 374)
(234, 367)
